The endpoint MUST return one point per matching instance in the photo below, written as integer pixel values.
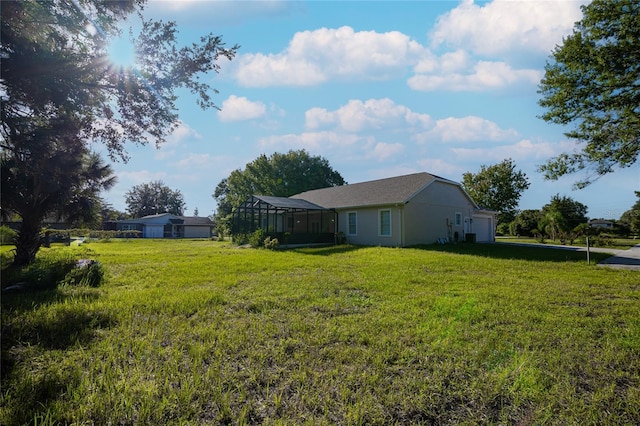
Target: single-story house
(601, 223)
(166, 225)
(419, 208)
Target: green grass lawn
(199, 332)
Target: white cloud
(314, 141)
(383, 151)
(313, 57)
(236, 108)
(441, 167)
(357, 115)
(484, 75)
(524, 150)
(195, 161)
(259, 70)
(519, 33)
(182, 132)
(139, 176)
(454, 61)
(503, 26)
(466, 129)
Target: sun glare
(122, 52)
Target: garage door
(154, 231)
(483, 228)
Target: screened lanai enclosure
(290, 220)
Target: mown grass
(199, 332)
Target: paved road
(624, 259)
(621, 259)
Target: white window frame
(355, 224)
(380, 234)
(458, 219)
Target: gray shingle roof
(394, 190)
(197, 221)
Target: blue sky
(378, 88)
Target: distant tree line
(564, 219)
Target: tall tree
(280, 175)
(562, 214)
(632, 216)
(65, 183)
(154, 198)
(592, 82)
(59, 91)
(525, 223)
(497, 187)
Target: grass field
(199, 332)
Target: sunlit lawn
(199, 332)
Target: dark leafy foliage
(632, 216)
(592, 82)
(154, 198)
(497, 187)
(60, 92)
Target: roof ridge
(373, 181)
(384, 191)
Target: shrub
(239, 239)
(7, 235)
(540, 237)
(271, 243)
(602, 240)
(45, 273)
(503, 229)
(85, 273)
(256, 239)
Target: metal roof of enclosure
(283, 203)
(291, 220)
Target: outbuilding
(166, 225)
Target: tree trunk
(28, 241)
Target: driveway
(621, 259)
(624, 259)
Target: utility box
(470, 238)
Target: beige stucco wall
(368, 227)
(430, 215)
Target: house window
(384, 222)
(128, 227)
(353, 223)
(458, 220)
